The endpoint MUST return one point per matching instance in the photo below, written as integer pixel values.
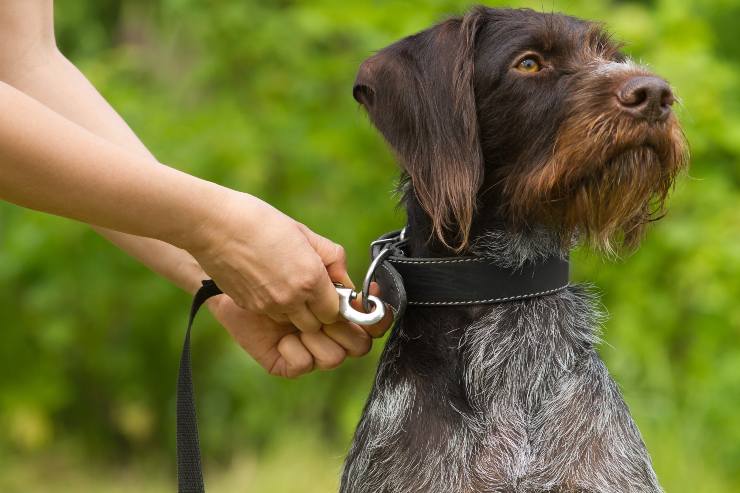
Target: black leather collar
(455, 281)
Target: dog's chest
(510, 402)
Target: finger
(280, 318)
(298, 359)
(337, 270)
(353, 339)
(214, 301)
(332, 255)
(305, 320)
(326, 353)
(324, 304)
(375, 330)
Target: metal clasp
(370, 274)
(384, 252)
(346, 295)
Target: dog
(519, 134)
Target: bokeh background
(256, 95)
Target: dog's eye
(529, 65)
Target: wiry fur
(526, 406)
(608, 176)
(513, 249)
(511, 397)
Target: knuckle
(309, 280)
(259, 306)
(301, 367)
(330, 364)
(341, 254)
(282, 299)
(331, 361)
(362, 346)
(305, 365)
(291, 374)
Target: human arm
(263, 259)
(45, 74)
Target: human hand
(269, 264)
(282, 349)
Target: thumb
(332, 255)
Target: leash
(404, 281)
(189, 466)
(189, 471)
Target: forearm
(31, 62)
(285, 270)
(50, 164)
(54, 81)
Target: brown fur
(607, 177)
(437, 143)
(511, 397)
(552, 148)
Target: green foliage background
(256, 95)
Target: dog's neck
(490, 237)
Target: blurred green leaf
(257, 96)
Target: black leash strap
(189, 468)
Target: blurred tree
(257, 96)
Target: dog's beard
(607, 178)
(612, 207)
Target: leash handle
(189, 468)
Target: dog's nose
(646, 97)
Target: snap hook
(346, 295)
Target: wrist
(211, 225)
(191, 214)
(190, 275)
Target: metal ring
(401, 236)
(385, 252)
(383, 241)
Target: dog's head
(538, 116)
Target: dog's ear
(419, 94)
